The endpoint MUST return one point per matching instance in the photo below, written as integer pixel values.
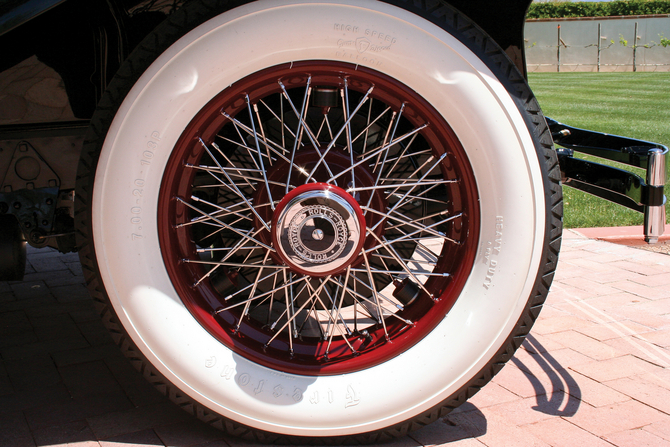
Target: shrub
(560, 9)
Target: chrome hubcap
(318, 230)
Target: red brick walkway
(629, 236)
(594, 372)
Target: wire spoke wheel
(331, 220)
(319, 218)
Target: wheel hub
(318, 229)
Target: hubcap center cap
(318, 229)
(317, 233)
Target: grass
(635, 105)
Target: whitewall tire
(271, 288)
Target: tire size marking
(137, 192)
(493, 249)
(349, 397)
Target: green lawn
(634, 105)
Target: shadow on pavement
(565, 396)
(62, 379)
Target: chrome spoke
(371, 154)
(339, 306)
(240, 244)
(402, 155)
(280, 119)
(336, 310)
(234, 187)
(317, 298)
(291, 319)
(301, 121)
(234, 171)
(401, 272)
(304, 127)
(257, 296)
(324, 124)
(375, 294)
(235, 143)
(387, 137)
(215, 249)
(406, 184)
(369, 287)
(412, 197)
(258, 147)
(418, 219)
(253, 290)
(405, 181)
(271, 145)
(395, 120)
(389, 248)
(291, 314)
(238, 170)
(350, 144)
(224, 211)
(330, 130)
(365, 131)
(225, 225)
(407, 236)
(236, 125)
(412, 154)
(236, 264)
(419, 183)
(400, 218)
(333, 141)
(408, 261)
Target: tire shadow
(556, 392)
(565, 395)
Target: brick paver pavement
(594, 372)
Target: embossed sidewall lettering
(137, 193)
(282, 389)
(359, 45)
(492, 251)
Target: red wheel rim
(249, 181)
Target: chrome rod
(333, 141)
(400, 201)
(375, 152)
(234, 185)
(225, 225)
(298, 133)
(258, 147)
(654, 216)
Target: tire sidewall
(421, 55)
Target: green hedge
(558, 9)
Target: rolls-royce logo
(317, 234)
